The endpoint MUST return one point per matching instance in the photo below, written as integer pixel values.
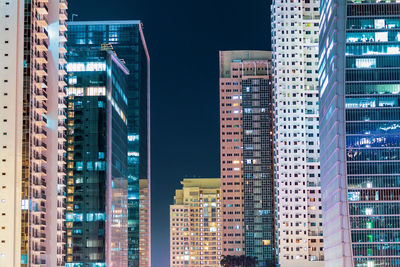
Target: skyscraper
(360, 130)
(97, 162)
(195, 224)
(126, 38)
(246, 154)
(32, 39)
(143, 223)
(295, 29)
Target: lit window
(368, 211)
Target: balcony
(40, 95)
(63, 5)
(41, 35)
(62, 84)
(40, 147)
(40, 109)
(42, 22)
(62, 125)
(42, 8)
(39, 159)
(62, 72)
(41, 45)
(63, 15)
(40, 59)
(62, 50)
(62, 61)
(40, 134)
(61, 116)
(62, 90)
(63, 28)
(40, 70)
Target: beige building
(32, 91)
(195, 224)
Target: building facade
(97, 185)
(295, 32)
(195, 224)
(32, 132)
(246, 154)
(143, 223)
(360, 164)
(126, 38)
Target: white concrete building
(32, 128)
(295, 30)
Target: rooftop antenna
(74, 15)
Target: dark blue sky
(184, 37)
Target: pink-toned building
(235, 66)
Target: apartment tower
(195, 224)
(127, 39)
(32, 39)
(360, 130)
(246, 154)
(295, 29)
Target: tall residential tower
(126, 38)
(32, 88)
(360, 132)
(246, 154)
(295, 29)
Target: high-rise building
(246, 154)
(97, 162)
(143, 223)
(32, 86)
(196, 225)
(295, 29)
(360, 132)
(126, 38)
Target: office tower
(360, 166)
(32, 38)
(97, 162)
(143, 223)
(246, 154)
(127, 40)
(295, 28)
(195, 224)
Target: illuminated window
(381, 36)
(90, 66)
(368, 211)
(76, 91)
(366, 63)
(72, 80)
(95, 91)
(354, 196)
(79, 166)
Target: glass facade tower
(97, 185)
(258, 164)
(127, 40)
(360, 131)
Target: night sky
(184, 37)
